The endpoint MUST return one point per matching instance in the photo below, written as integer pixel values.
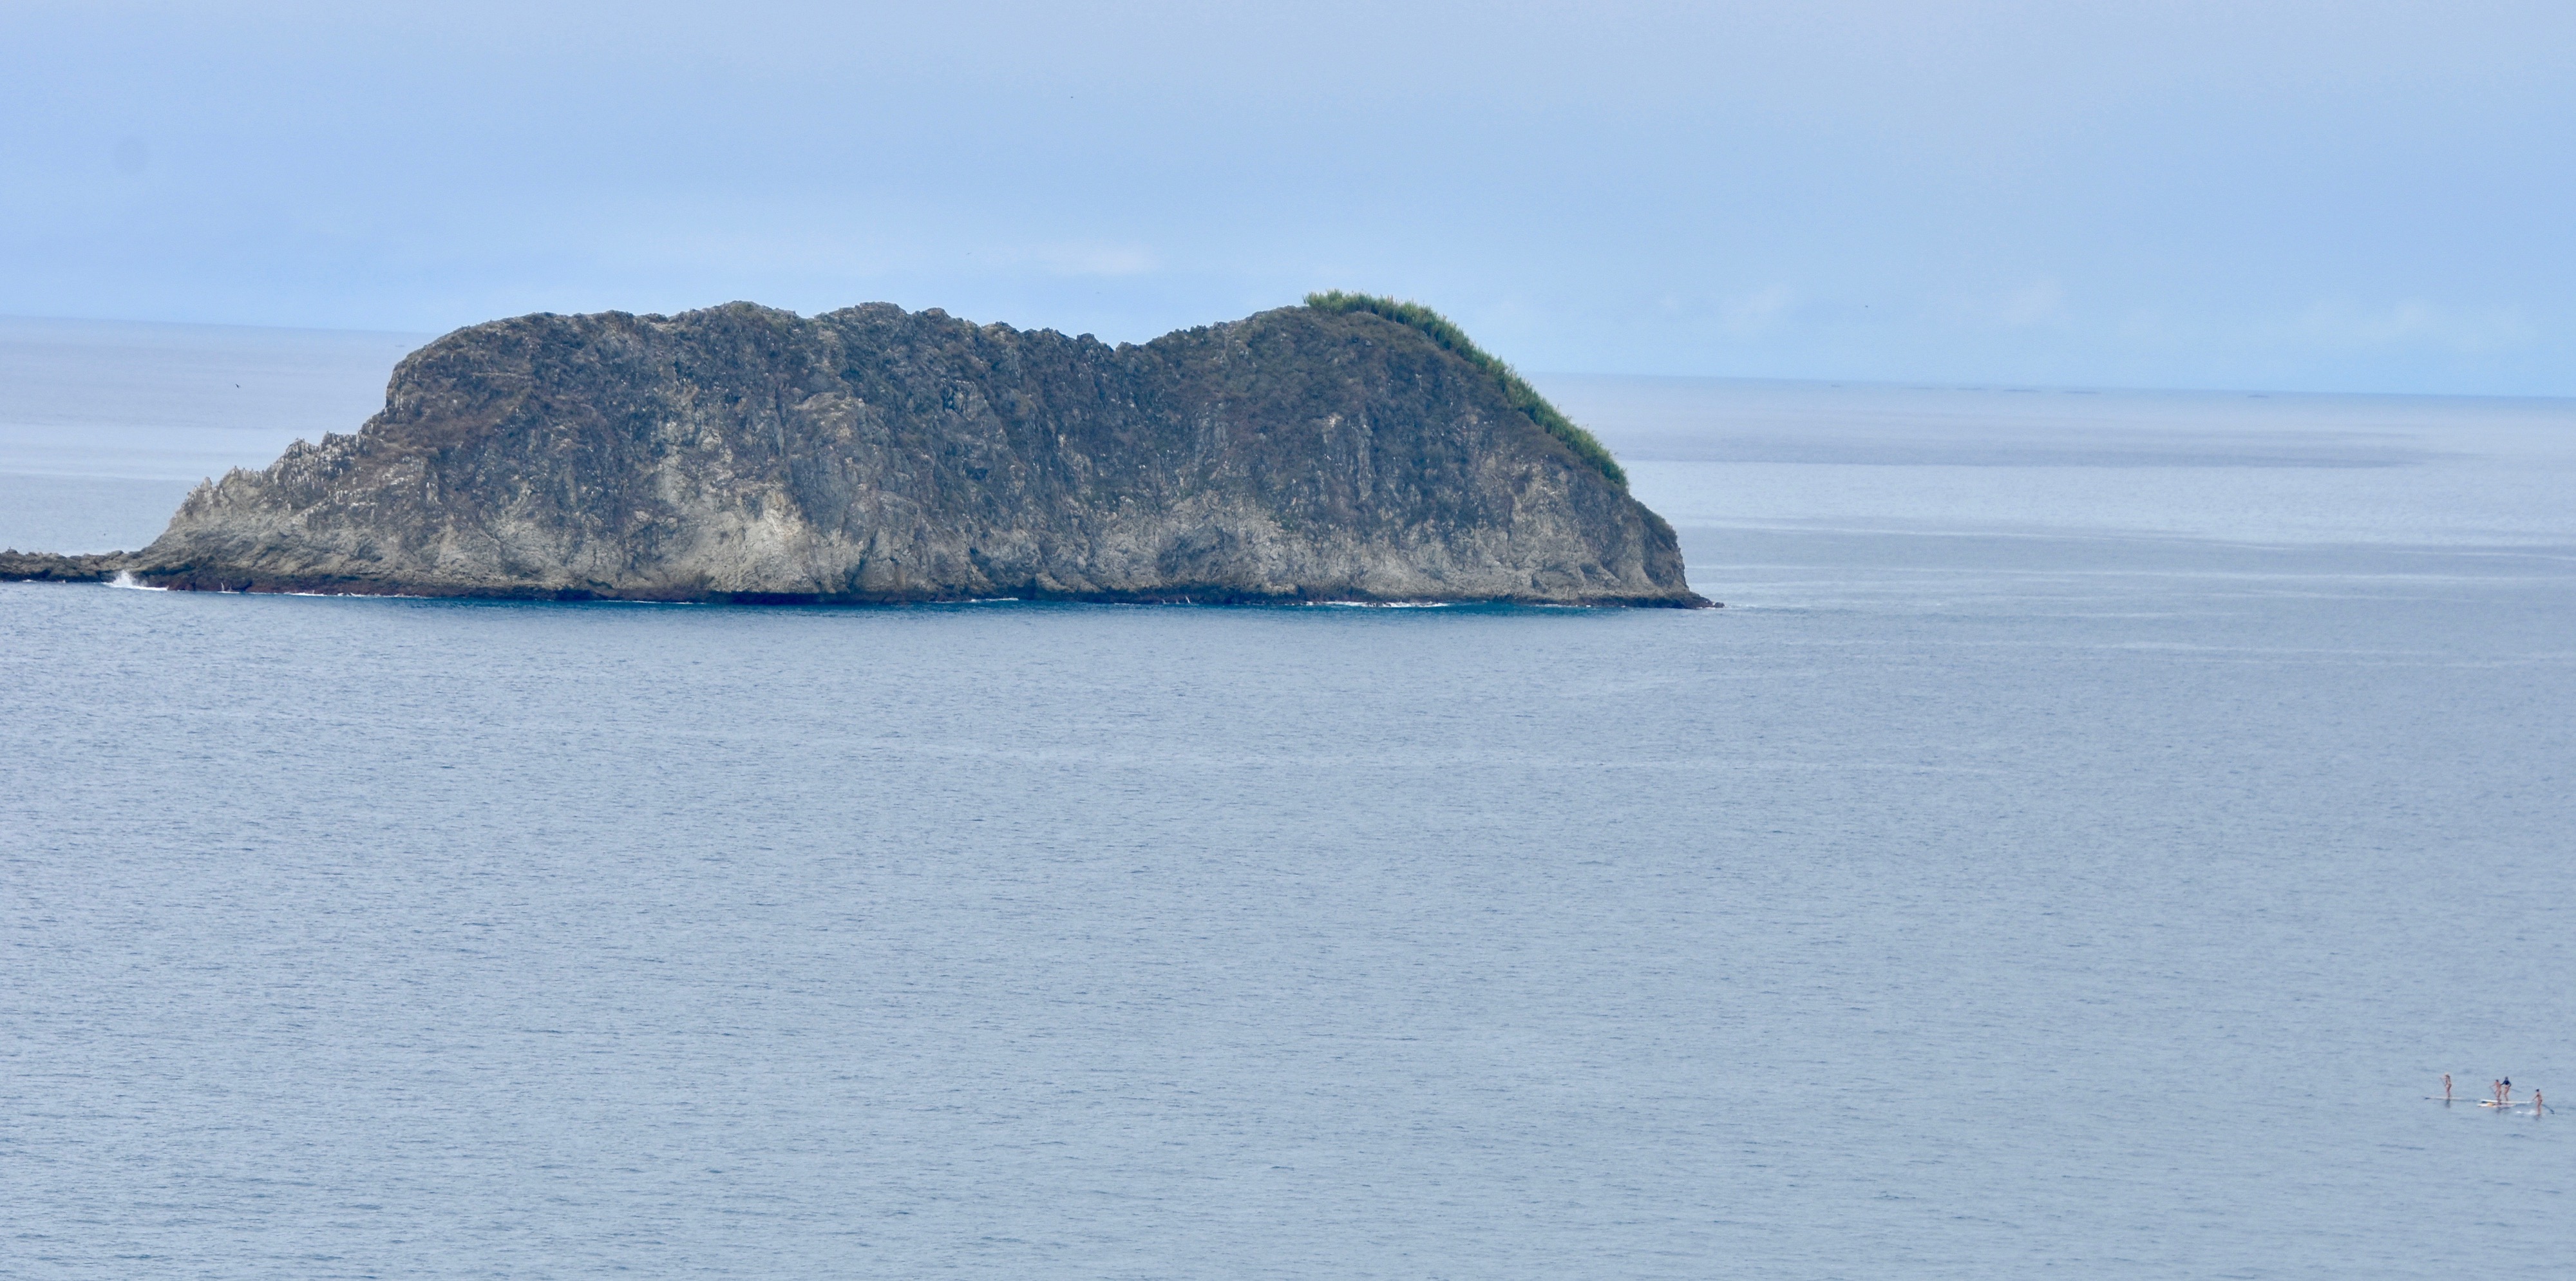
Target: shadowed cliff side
(874, 455)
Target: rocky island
(1351, 449)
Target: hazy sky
(2339, 196)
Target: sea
(2090, 832)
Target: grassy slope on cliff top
(1523, 397)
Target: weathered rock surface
(45, 567)
(874, 455)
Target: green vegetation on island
(1525, 398)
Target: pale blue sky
(2328, 196)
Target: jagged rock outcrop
(46, 567)
(874, 455)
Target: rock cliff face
(875, 455)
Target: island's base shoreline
(107, 566)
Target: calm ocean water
(2089, 833)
